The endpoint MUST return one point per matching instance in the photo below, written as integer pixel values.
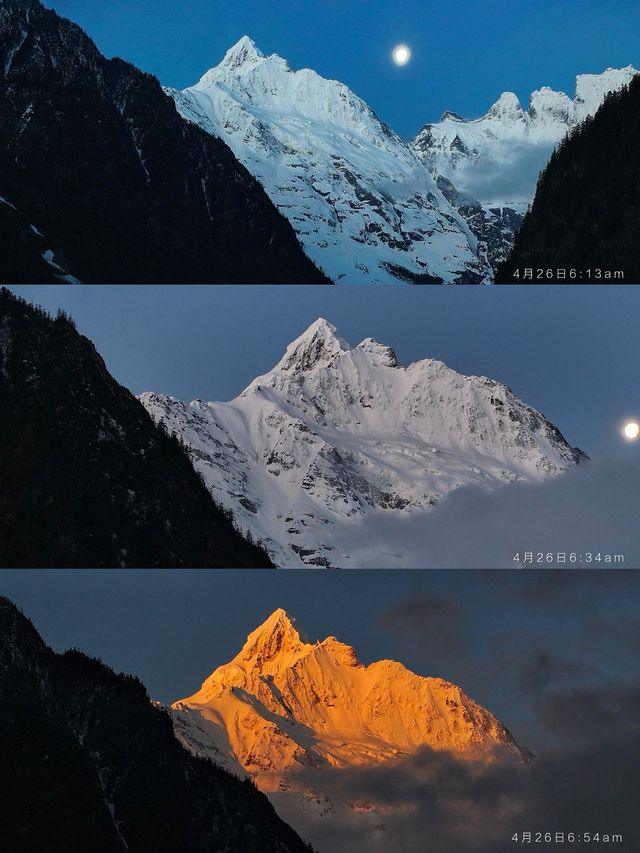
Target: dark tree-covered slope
(586, 213)
(23, 248)
(89, 764)
(86, 477)
(95, 156)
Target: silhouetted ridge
(121, 189)
(86, 478)
(586, 213)
(89, 764)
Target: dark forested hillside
(86, 477)
(90, 765)
(95, 157)
(586, 213)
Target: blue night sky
(508, 638)
(569, 351)
(464, 54)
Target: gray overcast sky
(571, 352)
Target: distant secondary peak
(507, 107)
(317, 346)
(341, 652)
(451, 116)
(381, 355)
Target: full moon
(632, 430)
(401, 54)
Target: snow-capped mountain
(290, 714)
(334, 456)
(496, 159)
(363, 205)
(488, 167)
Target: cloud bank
(592, 509)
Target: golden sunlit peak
(279, 622)
(275, 637)
(279, 615)
(631, 430)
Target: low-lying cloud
(512, 179)
(436, 802)
(590, 510)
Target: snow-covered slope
(317, 455)
(365, 209)
(289, 713)
(496, 159)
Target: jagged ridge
(488, 167)
(586, 213)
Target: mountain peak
(507, 108)
(317, 346)
(244, 52)
(591, 89)
(275, 641)
(380, 354)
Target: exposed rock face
(283, 705)
(364, 207)
(318, 455)
(95, 157)
(89, 764)
(86, 478)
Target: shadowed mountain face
(586, 213)
(89, 764)
(86, 478)
(94, 155)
